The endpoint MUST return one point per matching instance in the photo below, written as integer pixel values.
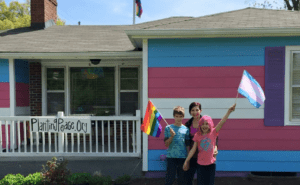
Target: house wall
(4, 88)
(208, 71)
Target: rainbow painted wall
(209, 71)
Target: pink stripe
(195, 82)
(247, 134)
(4, 95)
(22, 94)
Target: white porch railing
(118, 136)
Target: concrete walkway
(112, 166)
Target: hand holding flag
(251, 89)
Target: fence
(118, 136)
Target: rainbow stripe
(139, 9)
(151, 121)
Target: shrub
(33, 179)
(55, 173)
(12, 179)
(100, 180)
(79, 178)
(123, 179)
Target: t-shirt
(206, 144)
(177, 148)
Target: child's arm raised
(191, 153)
(170, 139)
(221, 123)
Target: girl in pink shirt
(205, 139)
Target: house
(109, 72)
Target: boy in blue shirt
(177, 139)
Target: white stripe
(4, 111)
(214, 107)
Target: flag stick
(237, 94)
(133, 12)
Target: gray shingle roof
(114, 38)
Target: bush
(12, 179)
(33, 179)
(55, 173)
(100, 180)
(123, 179)
(79, 178)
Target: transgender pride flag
(251, 89)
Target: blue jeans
(206, 174)
(175, 165)
(191, 172)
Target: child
(205, 139)
(177, 140)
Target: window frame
(67, 64)
(120, 91)
(289, 51)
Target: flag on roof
(139, 9)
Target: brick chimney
(43, 13)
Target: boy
(177, 139)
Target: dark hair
(194, 104)
(178, 110)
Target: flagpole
(133, 11)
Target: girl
(195, 111)
(205, 139)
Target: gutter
(213, 33)
(76, 55)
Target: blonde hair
(178, 110)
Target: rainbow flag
(151, 121)
(139, 9)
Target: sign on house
(65, 125)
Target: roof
(76, 39)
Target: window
(80, 89)
(129, 90)
(55, 90)
(92, 91)
(295, 78)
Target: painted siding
(22, 83)
(4, 84)
(209, 70)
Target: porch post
(145, 101)
(12, 102)
(12, 87)
(60, 135)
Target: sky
(120, 12)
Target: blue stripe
(191, 61)
(22, 71)
(253, 102)
(232, 160)
(4, 70)
(213, 51)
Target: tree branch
(287, 2)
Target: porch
(117, 136)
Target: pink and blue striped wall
(210, 69)
(22, 83)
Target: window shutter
(274, 86)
